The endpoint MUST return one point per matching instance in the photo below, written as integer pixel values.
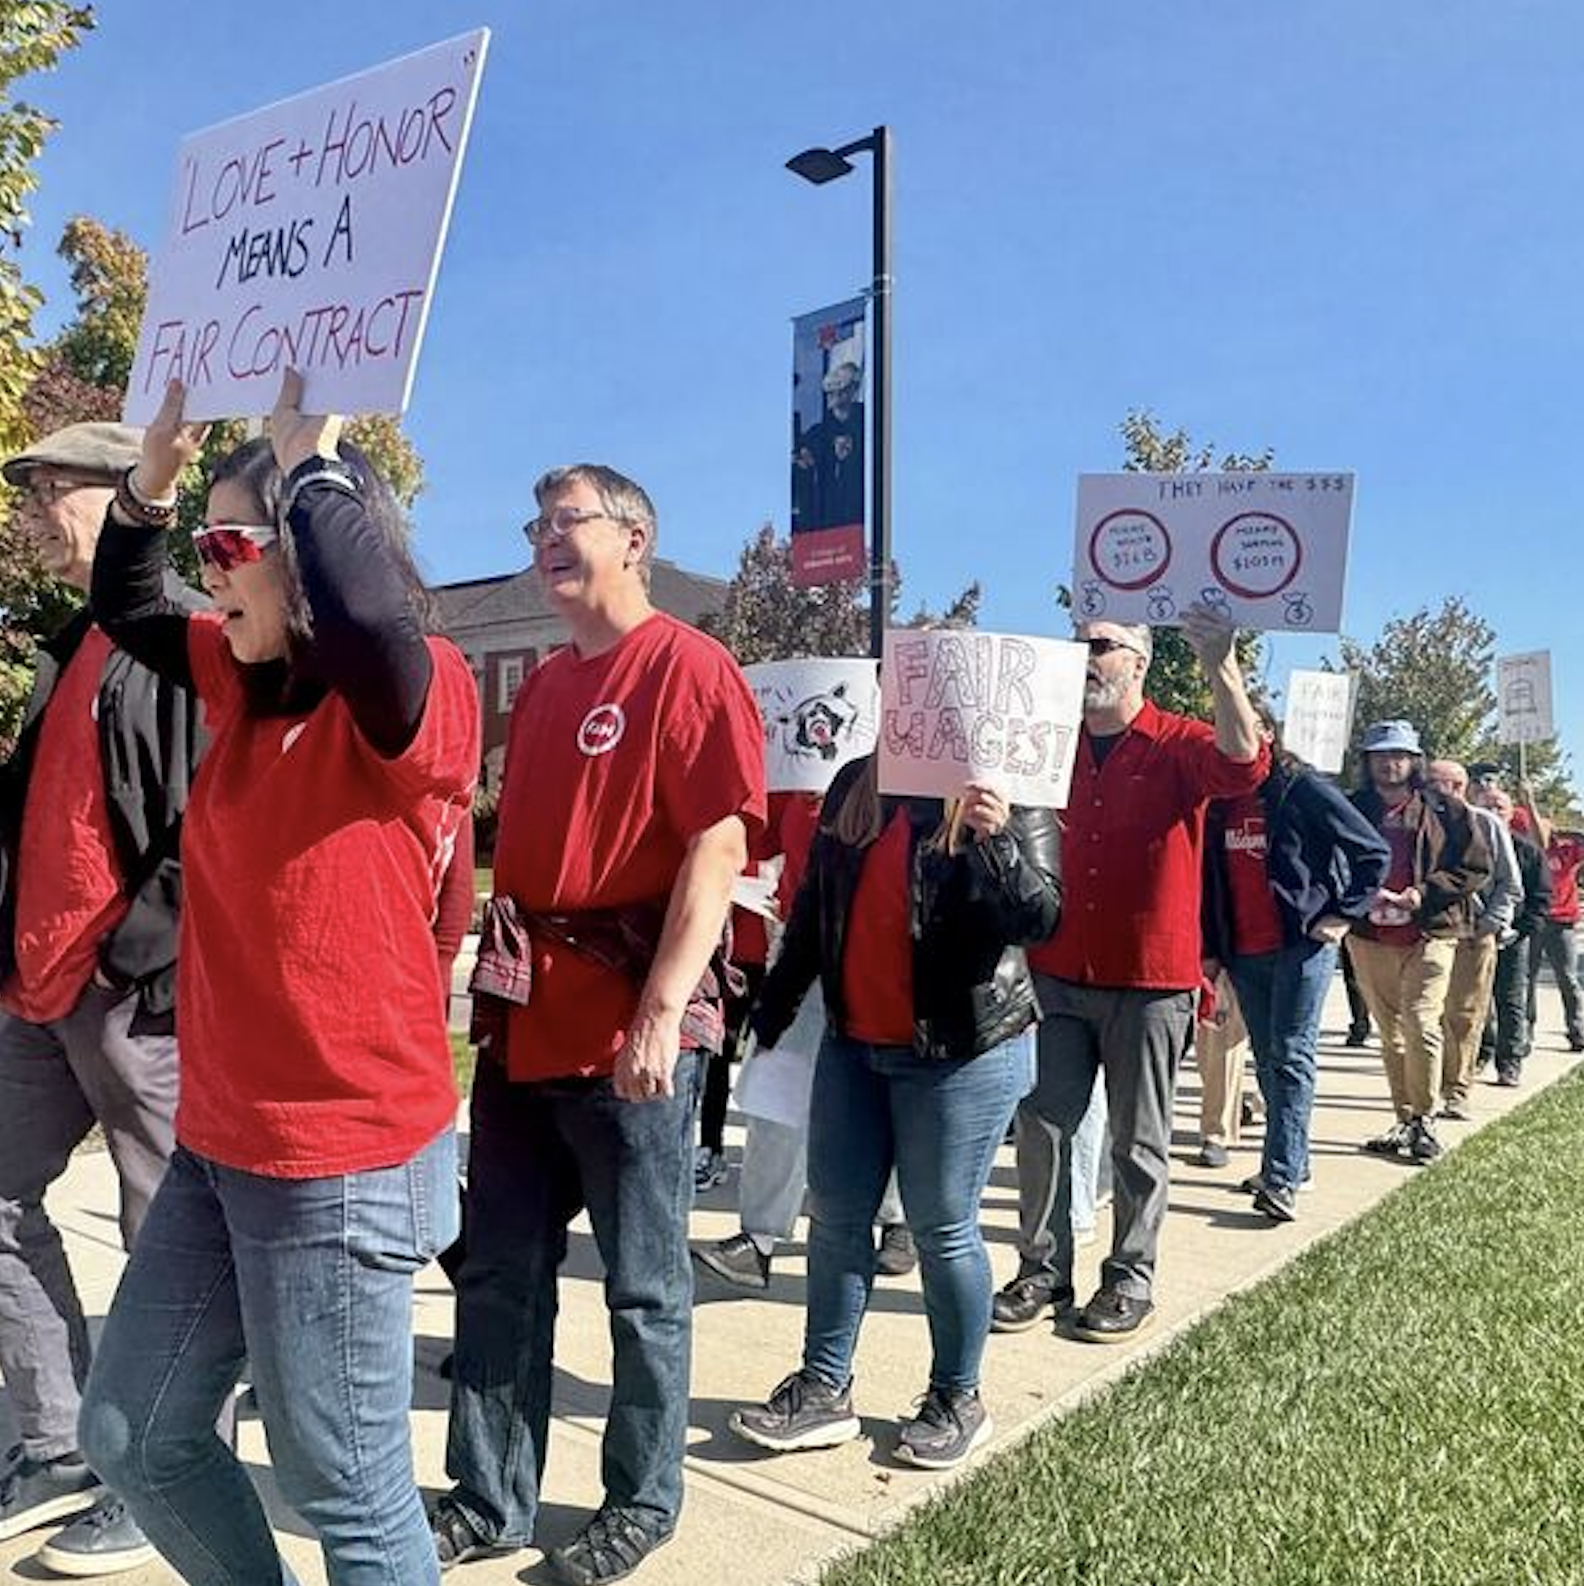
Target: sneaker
(1422, 1143)
(1508, 1076)
(1212, 1154)
(1255, 1182)
(897, 1255)
(104, 1541)
(1026, 1301)
(805, 1411)
(1357, 1035)
(1112, 1317)
(709, 1169)
(1393, 1143)
(737, 1259)
(456, 1540)
(1278, 1203)
(33, 1492)
(609, 1548)
(951, 1423)
(1456, 1109)
(1576, 1043)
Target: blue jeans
(1282, 995)
(541, 1151)
(939, 1124)
(310, 1282)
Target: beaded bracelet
(150, 514)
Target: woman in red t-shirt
(315, 1168)
(917, 938)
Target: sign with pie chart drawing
(1267, 550)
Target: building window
(511, 679)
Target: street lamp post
(826, 165)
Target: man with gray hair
(1119, 978)
(634, 779)
(1490, 929)
(91, 805)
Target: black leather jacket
(972, 912)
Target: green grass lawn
(1403, 1406)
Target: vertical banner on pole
(828, 452)
(1523, 697)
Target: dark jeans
(1282, 995)
(1508, 1033)
(56, 1081)
(1557, 944)
(1138, 1038)
(540, 1153)
(938, 1124)
(310, 1281)
(717, 1069)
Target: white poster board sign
(1268, 550)
(308, 235)
(960, 706)
(1319, 717)
(818, 714)
(1523, 697)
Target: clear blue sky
(1342, 229)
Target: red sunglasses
(227, 546)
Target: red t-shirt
(1132, 846)
(877, 957)
(313, 1039)
(1256, 921)
(1399, 877)
(68, 887)
(1563, 857)
(790, 825)
(799, 824)
(614, 763)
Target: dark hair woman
(315, 1167)
(917, 939)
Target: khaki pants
(1406, 989)
(1218, 1053)
(1463, 1023)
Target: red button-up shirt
(1132, 844)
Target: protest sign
(818, 714)
(1523, 697)
(1319, 717)
(1267, 550)
(959, 706)
(308, 235)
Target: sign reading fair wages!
(1267, 550)
(1523, 697)
(308, 236)
(958, 706)
(818, 714)
(1319, 717)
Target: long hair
(289, 685)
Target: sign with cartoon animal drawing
(818, 714)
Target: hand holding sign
(296, 436)
(1209, 633)
(169, 445)
(983, 811)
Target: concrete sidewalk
(755, 1519)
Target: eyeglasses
(228, 546)
(48, 490)
(557, 525)
(1106, 646)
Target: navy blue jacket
(1322, 857)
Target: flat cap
(102, 449)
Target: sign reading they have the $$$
(1266, 550)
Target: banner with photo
(828, 450)
(818, 714)
(960, 706)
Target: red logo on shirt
(602, 729)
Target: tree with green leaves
(767, 617)
(34, 34)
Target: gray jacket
(1496, 904)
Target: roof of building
(517, 597)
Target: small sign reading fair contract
(1266, 550)
(308, 235)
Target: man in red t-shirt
(1557, 940)
(91, 805)
(1119, 979)
(634, 783)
